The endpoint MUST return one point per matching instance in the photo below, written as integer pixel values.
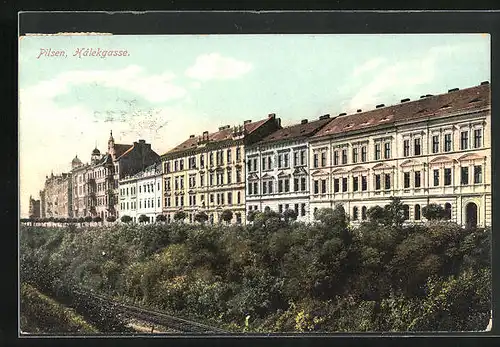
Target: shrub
(126, 219)
(433, 212)
(227, 215)
(180, 215)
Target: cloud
(154, 88)
(214, 66)
(369, 65)
(403, 75)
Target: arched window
(417, 212)
(355, 213)
(363, 212)
(447, 210)
(406, 210)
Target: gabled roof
(295, 131)
(219, 136)
(429, 106)
(121, 150)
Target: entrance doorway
(471, 215)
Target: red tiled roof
(295, 131)
(219, 136)
(430, 106)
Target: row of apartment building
(435, 149)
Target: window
(287, 185)
(211, 158)
(478, 174)
(387, 150)
(447, 210)
(181, 164)
(447, 177)
(264, 187)
(296, 208)
(478, 138)
(229, 174)
(464, 175)
(355, 155)
(230, 198)
(417, 179)
(255, 188)
(316, 187)
(344, 184)
(407, 180)
(228, 156)
(202, 161)
(295, 184)
(280, 208)
(336, 158)
(269, 163)
(323, 186)
(464, 140)
(315, 160)
(249, 165)
(417, 212)
(436, 177)
(302, 209)
(303, 183)
(363, 154)
(238, 175)
(406, 148)
(211, 179)
(285, 160)
(377, 151)
(355, 184)
(406, 212)
(417, 150)
(238, 153)
(344, 156)
(295, 158)
(435, 144)
(387, 181)
(363, 213)
(303, 157)
(355, 213)
(364, 183)
(264, 164)
(447, 143)
(323, 159)
(202, 179)
(280, 160)
(270, 187)
(336, 185)
(238, 198)
(280, 186)
(250, 192)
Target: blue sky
(172, 86)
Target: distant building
(207, 172)
(278, 169)
(141, 194)
(34, 208)
(56, 196)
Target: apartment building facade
(278, 169)
(207, 173)
(432, 150)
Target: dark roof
(121, 149)
(96, 152)
(219, 136)
(295, 131)
(429, 106)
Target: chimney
(342, 114)
(303, 121)
(135, 143)
(222, 128)
(205, 135)
(326, 116)
(191, 136)
(379, 106)
(272, 115)
(359, 110)
(247, 121)
(405, 100)
(142, 141)
(485, 83)
(422, 96)
(453, 90)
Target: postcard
(266, 184)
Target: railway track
(157, 318)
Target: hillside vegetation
(278, 275)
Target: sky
(169, 87)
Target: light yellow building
(207, 172)
(436, 149)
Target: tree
(433, 212)
(143, 218)
(201, 217)
(81, 220)
(227, 215)
(180, 215)
(290, 215)
(88, 219)
(126, 219)
(161, 218)
(331, 217)
(395, 212)
(111, 219)
(97, 219)
(377, 214)
(251, 215)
